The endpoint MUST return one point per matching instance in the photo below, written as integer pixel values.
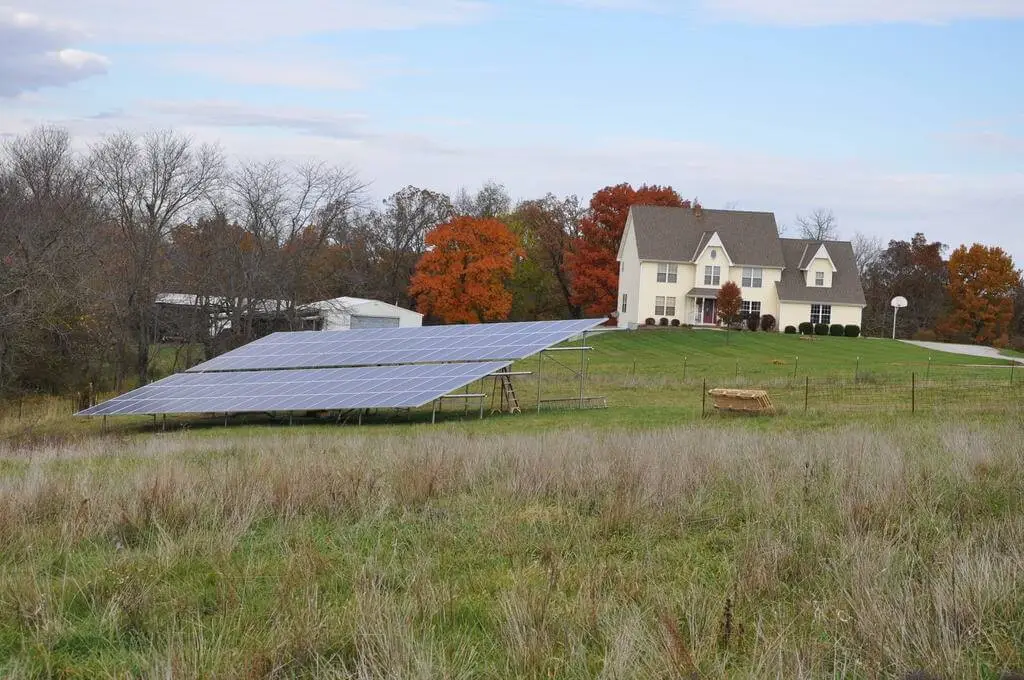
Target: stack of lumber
(748, 401)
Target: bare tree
(820, 225)
(146, 185)
(47, 227)
(399, 232)
(490, 200)
(866, 251)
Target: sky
(898, 115)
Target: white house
(345, 313)
(672, 262)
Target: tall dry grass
(690, 552)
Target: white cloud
(35, 54)
(228, 21)
(828, 12)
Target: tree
(491, 200)
(728, 305)
(916, 270)
(595, 272)
(462, 276)
(547, 229)
(820, 225)
(866, 251)
(147, 185)
(982, 284)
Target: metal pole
(737, 369)
(928, 373)
(913, 393)
(1012, 364)
(796, 365)
(684, 368)
(807, 392)
(433, 412)
(481, 406)
(583, 355)
(856, 372)
(540, 371)
(894, 311)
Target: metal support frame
(436, 405)
(580, 373)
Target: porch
(701, 307)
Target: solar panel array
(390, 346)
(340, 370)
(327, 389)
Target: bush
(648, 321)
(821, 329)
(675, 322)
(925, 335)
(851, 330)
(753, 322)
(836, 330)
(790, 330)
(663, 321)
(807, 328)
(768, 323)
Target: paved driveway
(970, 350)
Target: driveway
(970, 350)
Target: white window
(668, 273)
(819, 278)
(664, 306)
(712, 275)
(821, 314)
(751, 308)
(753, 277)
(624, 303)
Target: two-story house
(673, 261)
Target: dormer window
(819, 279)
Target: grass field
(637, 541)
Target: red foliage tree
(462, 276)
(595, 273)
(728, 305)
(982, 283)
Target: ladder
(509, 399)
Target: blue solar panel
(391, 346)
(326, 389)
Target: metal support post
(583, 358)
(433, 412)
(796, 365)
(807, 392)
(540, 375)
(481, 406)
(704, 398)
(913, 393)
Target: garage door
(374, 322)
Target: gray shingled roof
(846, 288)
(675, 234)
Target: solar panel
(389, 346)
(326, 389)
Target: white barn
(350, 313)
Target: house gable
(834, 259)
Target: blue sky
(899, 115)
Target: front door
(709, 310)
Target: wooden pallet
(746, 401)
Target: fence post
(1012, 364)
(737, 369)
(807, 392)
(913, 392)
(796, 365)
(928, 375)
(856, 372)
(704, 398)
(684, 368)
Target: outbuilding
(351, 313)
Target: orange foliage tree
(462, 277)
(982, 283)
(595, 272)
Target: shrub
(648, 321)
(836, 330)
(852, 330)
(753, 322)
(790, 330)
(821, 329)
(663, 321)
(675, 322)
(926, 335)
(768, 323)
(807, 328)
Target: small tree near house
(729, 303)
